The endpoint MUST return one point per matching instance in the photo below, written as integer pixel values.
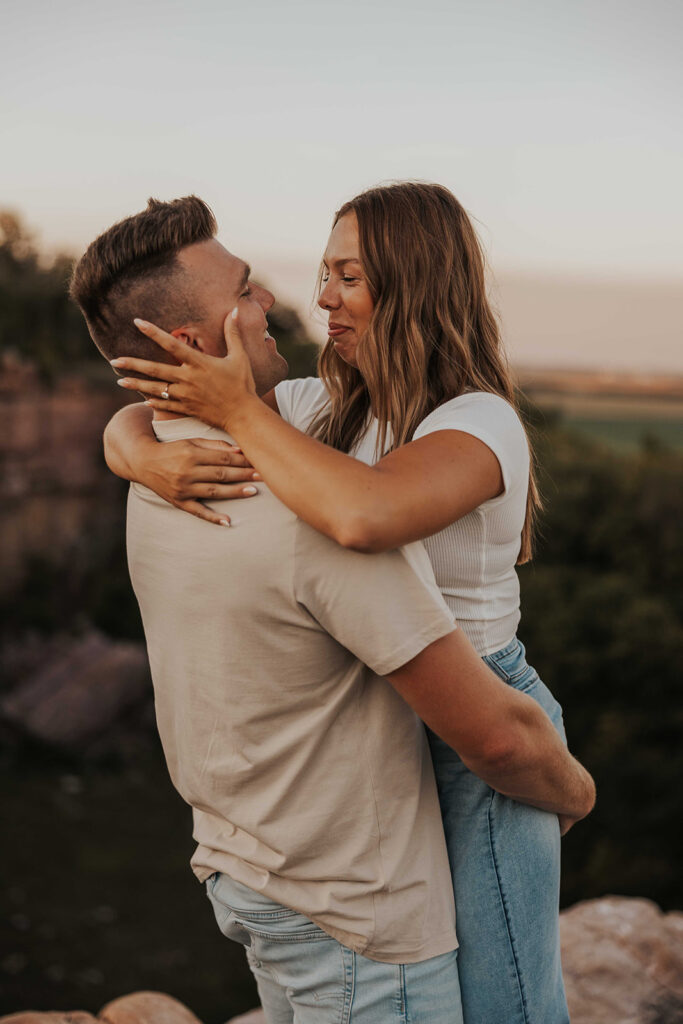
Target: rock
(623, 962)
(146, 1008)
(74, 698)
(29, 1017)
(622, 958)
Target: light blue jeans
(505, 860)
(306, 977)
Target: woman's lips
(334, 330)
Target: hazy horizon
(557, 125)
(554, 321)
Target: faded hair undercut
(132, 270)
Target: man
(315, 810)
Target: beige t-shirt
(309, 777)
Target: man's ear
(189, 337)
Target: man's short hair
(132, 270)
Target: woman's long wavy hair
(432, 335)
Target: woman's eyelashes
(345, 279)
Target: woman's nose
(327, 298)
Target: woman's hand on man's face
(208, 387)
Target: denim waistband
(515, 645)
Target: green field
(628, 435)
(624, 423)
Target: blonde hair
(432, 334)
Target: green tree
(602, 619)
(37, 319)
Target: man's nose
(264, 298)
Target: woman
(413, 367)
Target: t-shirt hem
(414, 646)
(445, 942)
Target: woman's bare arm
(127, 435)
(184, 473)
(411, 493)
(129, 440)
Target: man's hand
(567, 821)
(502, 735)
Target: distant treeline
(602, 619)
(39, 322)
(37, 319)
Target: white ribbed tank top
(474, 558)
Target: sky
(555, 123)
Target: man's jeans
(306, 977)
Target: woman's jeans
(505, 860)
(306, 977)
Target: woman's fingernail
(234, 313)
(234, 448)
(249, 490)
(224, 522)
(140, 323)
(122, 382)
(117, 362)
(255, 476)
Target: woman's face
(345, 295)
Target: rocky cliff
(53, 478)
(623, 964)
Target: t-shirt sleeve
(300, 401)
(492, 420)
(384, 608)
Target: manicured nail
(224, 522)
(140, 323)
(234, 313)
(255, 476)
(250, 490)
(122, 382)
(116, 362)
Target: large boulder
(31, 1017)
(146, 1008)
(136, 1008)
(74, 697)
(623, 962)
(622, 958)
